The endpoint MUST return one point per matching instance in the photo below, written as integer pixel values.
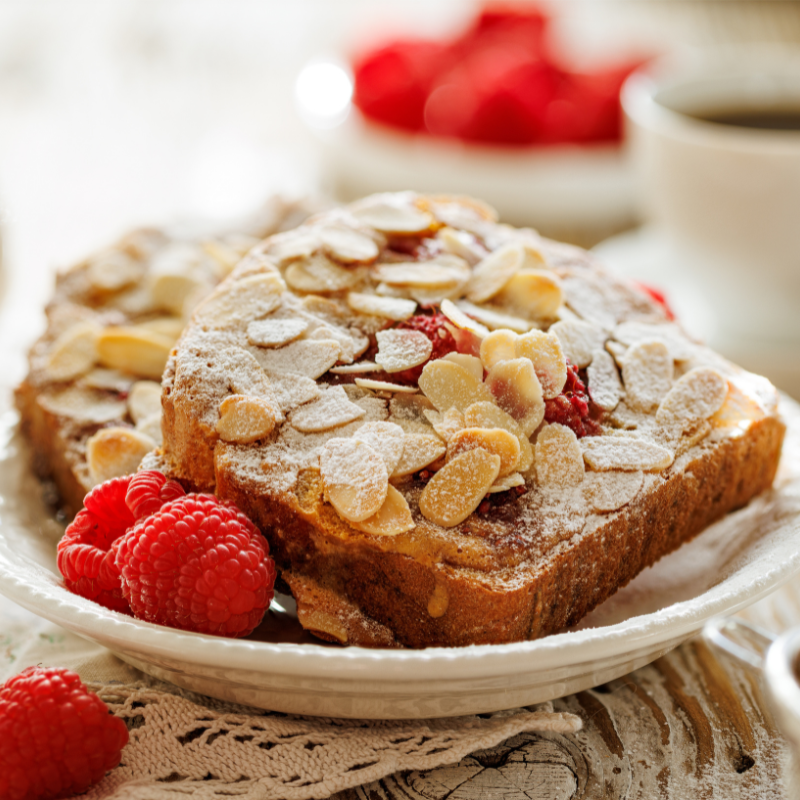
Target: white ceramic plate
(729, 566)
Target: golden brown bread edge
(397, 591)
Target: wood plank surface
(689, 725)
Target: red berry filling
(571, 407)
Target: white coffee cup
(727, 196)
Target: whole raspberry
(433, 326)
(57, 737)
(198, 564)
(571, 407)
(86, 551)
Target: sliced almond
(461, 320)
(737, 409)
(647, 372)
(386, 439)
(114, 270)
(419, 450)
(239, 303)
(545, 353)
(617, 350)
(292, 390)
(331, 410)
(320, 274)
(679, 346)
(351, 340)
(394, 517)
(168, 327)
(444, 271)
(493, 440)
(244, 419)
(462, 244)
(488, 415)
(400, 349)
(498, 346)
(449, 385)
(74, 352)
(407, 411)
(507, 482)
(275, 332)
(558, 462)
(471, 363)
(628, 453)
(144, 400)
(493, 272)
(151, 426)
(309, 357)
(113, 452)
(494, 319)
(692, 436)
(133, 350)
(516, 389)
(110, 380)
(357, 369)
(609, 491)
(446, 424)
(393, 216)
(289, 246)
(694, 397)
(579, 340)
(457, 489)
(348, 246)
(173, 292)
(604, 385)
(384, 386)
(83, 404)
(536, 293)
(396, 308)
(354, 478)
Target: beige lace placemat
(186, 745)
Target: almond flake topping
(169, 327)
(133, 350)
(680, 348)
(275, 332)
(461, 320)
(579, 340)
(394, 517)
(605, 387)
(292, 390)
(508, 482)
(419, 450)
(442, 272)
(694, 397)
(386, 439)
(144, 400)
(545, 353)
(493, 440)
(291, 245)
(494, 272)
(352, 341)
(471, 363)
(448, 385)
(535, 293)
(517, 391)
(461, 243)
(457, 489)
(498, 346)
(609, 491)
(112, 452)
(604, 453)
(400, 349)
(488, 415)
(347, 246)
(445, 424)
(113, 270)
(385, 386)
(647, 371)
(357, 369)
(354, 478)
(177, 294)
(394, 217)
(396, 308)
(320, 274)
(74, 352)
(494, 319)
(558, 462)
(244, 419)
(309, 357)
(151, 426)
(238, 303)
(331, 410)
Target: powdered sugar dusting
(330, 410)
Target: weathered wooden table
(690, 725)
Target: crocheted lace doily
(184, 745)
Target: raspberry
(85, 558)
(433, 326)
(571, 407)
(198, 564)
(149, 490)
(86, 551)
(57, 737)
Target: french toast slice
(111, 324)
(451, 431)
